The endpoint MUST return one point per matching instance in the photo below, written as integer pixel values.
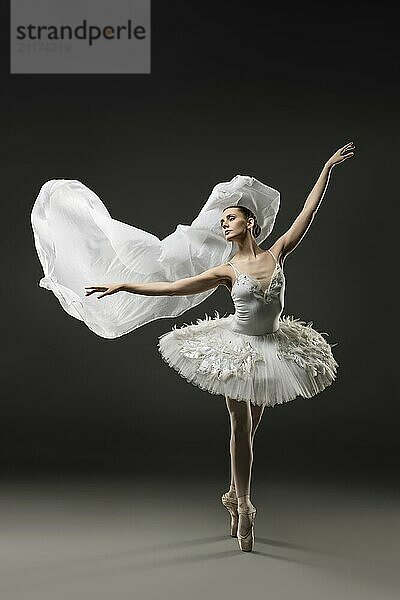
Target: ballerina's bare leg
(241, 421)
(245, 418)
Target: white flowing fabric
(79, 244)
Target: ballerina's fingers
(346, 148)
(348, 155)
(99, 288)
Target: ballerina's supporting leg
(241, 447)
(256, 414)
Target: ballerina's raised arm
(220, 275)
(292, 237)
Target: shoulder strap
(272, 256)
(237, 272)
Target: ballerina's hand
(107, 290)
(341, 154)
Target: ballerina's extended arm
(289, 240)
(207, 280)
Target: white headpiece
(246, 191)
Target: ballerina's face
(234, 224)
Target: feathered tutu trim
(268, 369)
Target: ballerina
(255, 357)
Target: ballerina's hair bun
(249, 215)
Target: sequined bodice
(257, 309)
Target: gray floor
(146, 539)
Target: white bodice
(257, 309)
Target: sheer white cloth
(79, 244)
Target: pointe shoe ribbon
(231, 504)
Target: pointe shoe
(246, 542)
(231, 505)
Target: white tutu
(79, 244)
(270, 369)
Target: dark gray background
(266, 91)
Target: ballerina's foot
(231, 494)
(229, 500)
(245, 533)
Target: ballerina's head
(238, 222)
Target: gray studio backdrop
(271, 95)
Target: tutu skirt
(270, 369)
